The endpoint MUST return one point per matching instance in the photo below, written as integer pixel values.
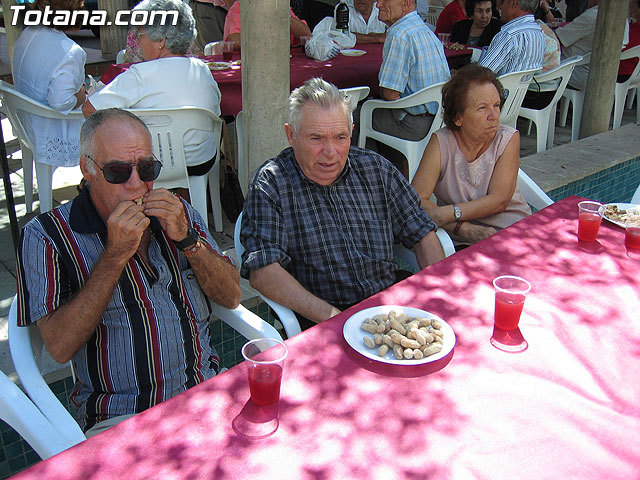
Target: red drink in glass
(264, 383)
(508, 310)
(632, 237)
(227, 56)
(588, 226)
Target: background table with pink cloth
(567, 407)
(343, 71)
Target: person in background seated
(167, 78)
(210, 16)
(119, 279)
(363, 22)
(450, 15)
(539, 95)
(627, 66)
(480, 28)
(519, 45)
(412, 59)
(49, 67)
(297, 27)
(471, 165)
(321, 218)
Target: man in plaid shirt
(321, 218)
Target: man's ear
(289, 132)
(84, 168)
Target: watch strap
(189, 241)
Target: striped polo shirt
(153, 339)
(519, 45)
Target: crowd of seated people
(320, 218)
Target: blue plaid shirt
(336, 240)
(519, 45)
(412, 59)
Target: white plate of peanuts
(399, 335)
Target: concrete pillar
(113, 38)
(12, 32)
(603, 70)
(265, 78)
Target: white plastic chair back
(545, 119)
(120, 56)
(24, 417)
(432, 17)
(575, 97)
(515, 85)
(285, 315)
(623, 87)
(412, 150)
(26, 347)
(357, 93)
(531, 192)
(17, 107)
(168, 126)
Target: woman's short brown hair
(454, 92)
(70, 5)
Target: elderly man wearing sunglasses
(118, 279)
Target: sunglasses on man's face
(118, 172)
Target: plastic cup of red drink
(265, 362)
(511, 292)
(589, 219)
(227, 51)
(632, 238)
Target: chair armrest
(31, 378)
(285, 315)
(246, 323)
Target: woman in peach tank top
(471, 165)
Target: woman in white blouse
(49, 67)
(167, 78)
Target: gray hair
(529, 5)
(91, 124)
(320, 93)
(179, 37)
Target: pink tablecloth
(567, 407)
(342, 71)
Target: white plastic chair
(168, 126)
(409, 256)
(24, 417)
(432, 17)
(358, 94)
(26, 347)
(545, 119)
(17, 106)
(515, 85)
(120, 56)
(622, 88)
(576, 98)
(412, 150)
(531, 192)
(285, 315)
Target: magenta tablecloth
(567, 407)
(342, 71)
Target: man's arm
(388, 94)
(68, 328)
(428, 250)
(218, 279)
(276, 283)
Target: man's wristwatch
(457, 213)
(189, 241)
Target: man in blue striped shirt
(119, 279)
(519, 45)
(412, 59)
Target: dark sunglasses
(117, 172)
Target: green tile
(18, 463)
(10, 436)
(14, 449)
